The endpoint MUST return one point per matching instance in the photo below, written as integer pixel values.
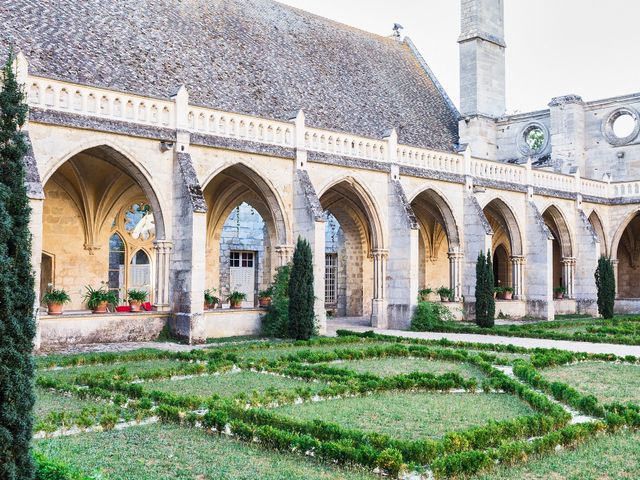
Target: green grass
(279, 351)
(131, 367)
(609, 382)
(167, 452)
(394, 366)
(48, 401)
(412, 415)
(610, 457)
(621, 330)
(229, 384)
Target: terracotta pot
(559, 296)
(206, 306)
(264, 302)
(444, 298)
(135, 305)
(235, 305)
(507, 295)
(54, 308)
(101, 308)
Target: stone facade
(546, 192)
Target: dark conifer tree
(606, 285)
(485, 304)
(301, 297)
(17, 298)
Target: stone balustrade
(171, 113)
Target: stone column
(35, 227)
(455, 274)
(163, 249)
(615, 273)
(568, 275)
(517, 275)
(379, 307)
(284, 253)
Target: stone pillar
(539, 272)
(517, 275)
(379, 302)
(284, 254)
(568, 275)
(615, 273)
(455, 274)
(402, 266)
(567, 130)
(35, 227)
(587, 254)
(163, 249)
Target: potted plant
(507, 293)
(136, 299)
(236, 298)
(423, 295)
(210, 300)
(445, 294)
(55, 300)
(558, 293)
(264, 297)
(98, 299)
(498, 292)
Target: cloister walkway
(620, 350)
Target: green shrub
(47, 469)
(390, 460)
(428, 315)
(606, 285)
(275, 322)
(301, 296)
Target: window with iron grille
(330, 278)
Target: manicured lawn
(277, 351)
(167, 452)
(609, 382)
(610, 457)
(412, 415)
(132, 368)
(48, 401)
(395, 366)
(230, 384)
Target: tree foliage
(485, 303)
(17, 298)
(301, 297)
(606, 285)
(276, 321)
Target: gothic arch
(503, 216)
(596, 223)
(235, 183)
(622, 227)
(558, 225)
(116, 155)
(353, 193)
(433, 202)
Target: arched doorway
(438, 242)
(247, 233)
(626, 248)
(506, 247)
(355, 251)
(563, 261)
(99, 212)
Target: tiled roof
(248, 56)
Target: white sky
(554, 47)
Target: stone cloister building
(156, 128)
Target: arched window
(117, 277)
(140, 272)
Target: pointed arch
(557, 223)
(501, 214)
(598, 227)
(433, 203)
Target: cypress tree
(485, 304)
(17, 298)
(606, 285)
(301, 297)
(490, 284)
